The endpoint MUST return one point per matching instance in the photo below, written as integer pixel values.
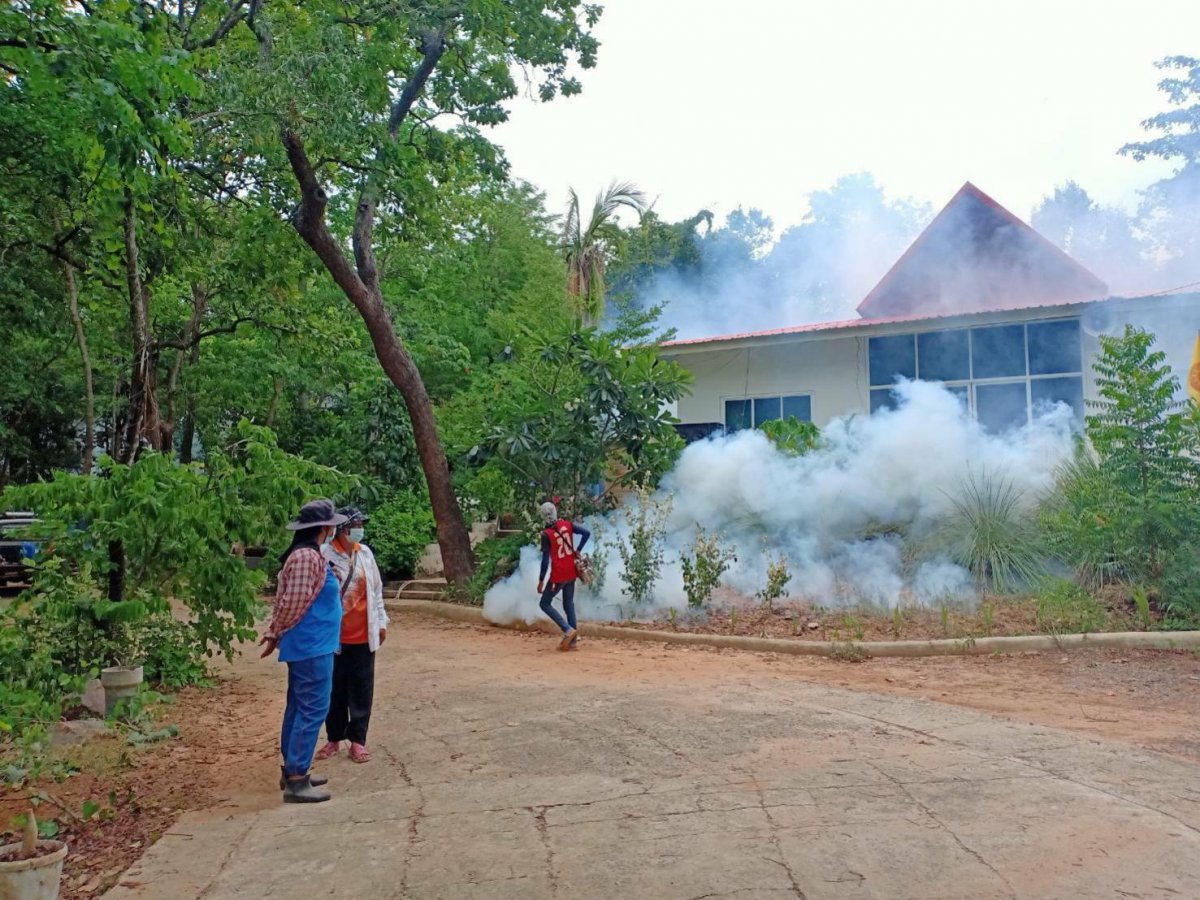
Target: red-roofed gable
(976, 256)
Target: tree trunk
(190, 353)
(143, 412)
(360, 284)
(89, 438)
(276, 395)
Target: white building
(980, 302)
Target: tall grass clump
(991, 533)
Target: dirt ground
(993, 617)
(225, 757)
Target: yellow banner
(1194, 374)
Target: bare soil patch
(994, 617)
(226, 755)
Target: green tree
(588, 245)
(1128, 509)
(581, 410)
(358, 141)
(1169, 213)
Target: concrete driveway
(505, 769)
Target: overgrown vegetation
(991, 533)
(1127, 507)
(641, 549)
(703, 567)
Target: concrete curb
(1124, 640)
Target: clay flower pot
(119, 683)
(35, 878)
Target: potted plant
(31, 869)
(119, 675)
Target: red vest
(562, 552)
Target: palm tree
(585, 247)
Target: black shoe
(300, 790)
(314, 780)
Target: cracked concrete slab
(505, 769)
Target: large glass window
(998, 352)
(737, 415)
(1055, 348)
(892, 358)
(1048, 391)
(799, 407)
(754, 411)
(766, 409)
(1003, 373)
(1001, 407)
(943, 356)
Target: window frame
(1028, 378)
(733, 398)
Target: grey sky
(715, 103)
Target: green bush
(399, 531)
(1126, 509)
(1064, 606)
(703, 567)
(495, 558)
(170, 652)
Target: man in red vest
(558, 555)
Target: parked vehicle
(15, 548)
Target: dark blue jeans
(310, 682)
(568, 594)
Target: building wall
(832, 371)
(833, 368)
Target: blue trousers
(310, 683)
(547, 604)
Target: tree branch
(236, 14)
(433, 47)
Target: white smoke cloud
(837, 514)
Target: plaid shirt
(300, 580)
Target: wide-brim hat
(316, 514)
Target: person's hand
(539, 587)
(382, 636)
(270, 644)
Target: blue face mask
(356, 535)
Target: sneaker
(571, 635)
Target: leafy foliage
(778, 576)
(1065, 607)
(792, 436)
(582, 416)
(399, 531)
(641, 548)
(1128, 509)
(703, 567)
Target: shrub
(495, 558)
(1064, 606)
(990, 533)
(778, 577)
(1128, 510)
(703, 567)
(399, 531)
(791, 436)
(170, 653)
(642, 548)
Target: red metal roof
(838, 325)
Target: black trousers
(353, 693)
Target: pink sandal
(330, 749)
(359, 753)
